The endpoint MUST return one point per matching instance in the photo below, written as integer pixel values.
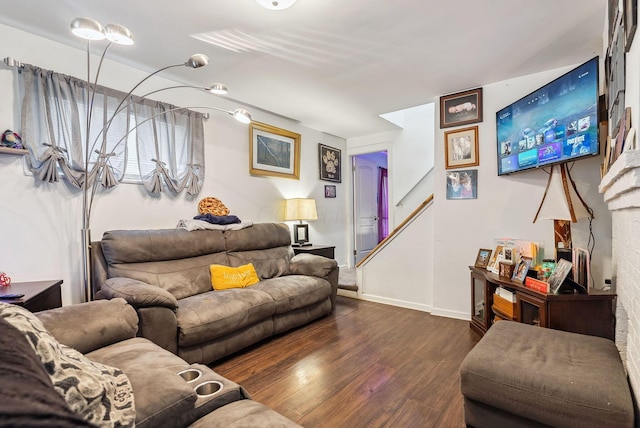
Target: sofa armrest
(137, 293)
(92, 325)
(311, 265)
(322, 267)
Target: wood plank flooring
(366, 365)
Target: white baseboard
(395, 302)
(451, 314)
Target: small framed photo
(273, 151)
(329, 191)
(330, 163)
(462, 184)
(461, 108)
(482, 260)
(461, 148)
(521, 269)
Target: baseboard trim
(451, 314)
(398, 303)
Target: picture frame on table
(273, 151)
(462, 108)
(521, 269)
(462, 184)
(483, 257)
(461, 148)
(329, 191)
(563, 267)
(330, 163)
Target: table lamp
(300, 209)
(563, 204)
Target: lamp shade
(87, 28)
(301, 209)
(561, 200)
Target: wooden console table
(590, 314)
(38, 295)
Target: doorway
(370, 202)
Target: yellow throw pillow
(225, 277)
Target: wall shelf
(10, 151)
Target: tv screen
(554, 124)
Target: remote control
(10, 296)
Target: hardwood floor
(366, 365)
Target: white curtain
(54, 127)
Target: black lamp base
(301, 235)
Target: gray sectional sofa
(83, 366)
(164, 274)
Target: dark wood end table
(38, 295)
(319, 250)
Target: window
(145, 141)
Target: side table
(38, 295)
(319, 250)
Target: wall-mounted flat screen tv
(554, 124)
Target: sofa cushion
(161, 394)
(76, 325)
(225, 277)
(266, 245)
(27, 396)
(136, 246)
(100, 394)
(269, 263)
(293, 292)
(216, 313)
(182, 278)
(244, 414)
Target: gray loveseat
(164, 274)
(44, 384)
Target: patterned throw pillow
(101, 394)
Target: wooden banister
(397, 229)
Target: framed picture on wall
(461, 148)
(330, 163)
(630, 22)
(273, 151)
(461, 108)
(462, 184)
(330, 191)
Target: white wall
(40, 223)
(505, 206)
(401, 274)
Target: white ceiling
(335, 65)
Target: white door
(365, 208)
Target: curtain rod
(12, 62)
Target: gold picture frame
(273, 151)
(461, 148)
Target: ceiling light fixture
(276, 4)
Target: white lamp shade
(301, 209)
(87, 28)
(561, 201)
